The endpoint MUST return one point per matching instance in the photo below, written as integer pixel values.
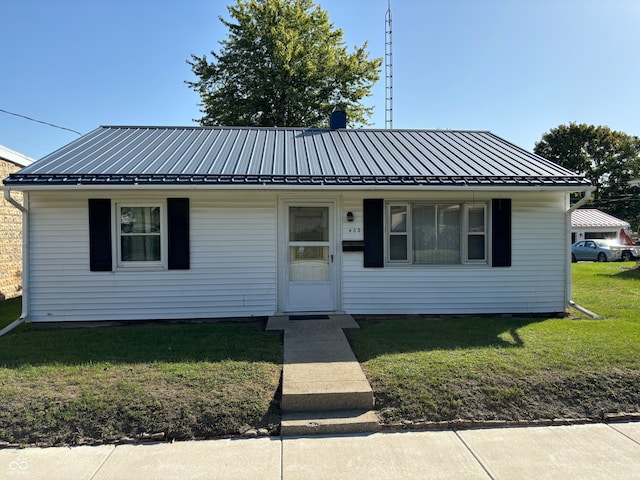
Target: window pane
(424, 231)
(309, 253)
(398, 247)
(476, 219)
(140, 219)
(475, 246)
(436, 242)
(449, 227)
(140, 248)
(308, 264)
(308, 224)
(398, 218)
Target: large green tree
(608, 158)
(282, 64)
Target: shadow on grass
(380, 337)
(9, 311)
(631, 272)
(613, 271)
(208, 342)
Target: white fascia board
(15, 157)
(307, 188)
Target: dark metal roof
(292, 156)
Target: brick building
(10, 228)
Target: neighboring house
(134, 223)
(587, 223)
(10, 229)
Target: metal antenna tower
(388, 71)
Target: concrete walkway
(586, 452)
(324, 389)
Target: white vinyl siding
(232, 274)
(233, 268)
(535, 283)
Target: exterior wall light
(349, 216)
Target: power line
(40, 121)
(604, 201)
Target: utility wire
(40, 121)
(614, 200)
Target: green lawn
(74, 386)
(84, 385)
(513, 368)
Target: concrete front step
(357, 397)
(331, 422)
(324, 389)
(321, 372)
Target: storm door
(309, 267)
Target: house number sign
(352, 230)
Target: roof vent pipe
(338, 118)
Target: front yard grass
(75, 386)
(500, 368)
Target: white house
(589, 223)
(132, 223)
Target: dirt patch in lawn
(547, 395)
(116, 404)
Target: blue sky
(517, 68)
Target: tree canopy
(282, 64)
(608, 158)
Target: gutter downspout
(24, 317)
(585, 197)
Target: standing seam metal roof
(591, 217)
(251, 155)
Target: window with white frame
(436, 233)
(476, 233)
(139, 230)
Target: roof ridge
(254, 127)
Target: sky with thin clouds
(517, 68)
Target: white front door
(308, 266)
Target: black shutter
(373, 212)
(501, 232)
(100, 235)
(178, 233)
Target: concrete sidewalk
(596, 451)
